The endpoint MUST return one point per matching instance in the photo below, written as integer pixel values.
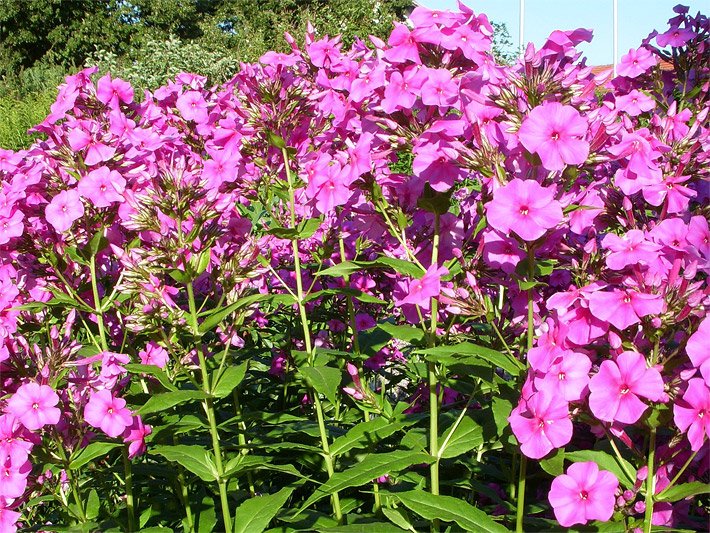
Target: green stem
(620, 459)
(650, 483)
(243, 439)
(680, 473)
(184, 495)
(433, 379)
(328, 458)
(520, 511)
(98, 311)
(209, 411)
(128, 472)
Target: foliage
(386, 287)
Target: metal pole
(521, 35)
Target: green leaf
(408, 334)
(368, 433)
(400, 265)
(555, 464)
(144, 517)
(397, 517)
(254, 514)
(97, 243)
(466, 436)
(275, 140)
(166, 400)
(370, 468)
(154, 371)
(207, 519)
(194, 459)
(92, 505)
(605, 461)
(324, 379)
(215, 316)
(90, 452)
(223, 384)
(433, 201)
(467, 352)
(680, 492)
(403, 267)
(449, 509)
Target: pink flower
(108, 413)
(439, 88)
(697, 349)
(14, 469)
(629, 249)
(135, 435)
(635, 63)
(541, 423)
(584, 493)
(403, 45)
(11, 226)
(8, 520)
(34, 405)
(675, 37)
(192, 106)
(624, 308)
(64, 209)
(102, 187)
(113, 92)
(524, 207)
(154, 355)
(671, 191)
(556, 133)
(423, 289)
(635, 103)
(566, 376)
(616, 389)
(692, 413)
(329, 187)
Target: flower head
(541, 423)
(108, 413)
(64, 209)
(584, 493)
(34, 405)
(692, 413)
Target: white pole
(521, 35)
(616, 34)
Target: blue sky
(636, 20)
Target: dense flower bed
(385, 276)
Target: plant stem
(520, 511)
(209, 411)
(128, 472)
(184, 495)
(328, 458)
(433, 379)
(650, 484)
(680, 473)
(98, 311)
(243, 439)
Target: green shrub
(18, 114)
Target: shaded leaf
(324, 379)
(194, 459)
(90, 452)
(223, 384)
(254, 514)
(466, 436)
(686, 490)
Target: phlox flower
(567, 375)
(698, 350)
(624, 308)
(423, 289)
(329, 188)
(524, 207)
(64, 209)
(34, 405)
(102, 187)
(692, 413)
(671, 191)
(439, 88)
(616, 390)
(114, 91)
(635, 103)
(108, 413)
(556, 133)
(675, 37)
(8, 519)
(135, 435)
(629, 249)
(541, 423)
(635, 62)
(192, 106)
(582, 494)
(401, 91)
(96, 151)
(11, 226)
(403, 46)
(154, 354)
(14, 469)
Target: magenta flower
(102, 187)
(154, 354)
(635, 103)
(423, 289)
(403, 45)
(329, 187)
(34, 405)
(615, 390)
(556, 133)
(624, 308)
(192, 106)
(64, 209)
(11, 226)
(567, 376)
(524, 207)
(439, 88)
(541, 423)
(113, 92)
(584, 493)
(135, 435)
(629, 249)
(108, 413)
(14, 469)
(635, 63)
(692, 413)
(697, 350)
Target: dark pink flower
(671, 191)
(423, 289)
(403, 46)
(34, 405)
(675, 37)
(135, 435)
(699, 351)
(615, 390)
(541, 423)
(192, 106)
(113, 92)
(11, 226)
(329, 187)
(108, 413)
(154, 354)
(524, 207)
(102, 187)
(567, 375)
(629, 249)
(692, 413)
(64, 209)
(624, 308)
(635, 62)
(439, 87)
(556, 133)
(584, 493)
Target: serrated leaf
(449, 509)
(605, 461)
(194, 459)
(680, 492)
(370, 468)
(466, 436)
(255, 514)
(90, 452)
(324, 379)
(228, 380)
(166, 400)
